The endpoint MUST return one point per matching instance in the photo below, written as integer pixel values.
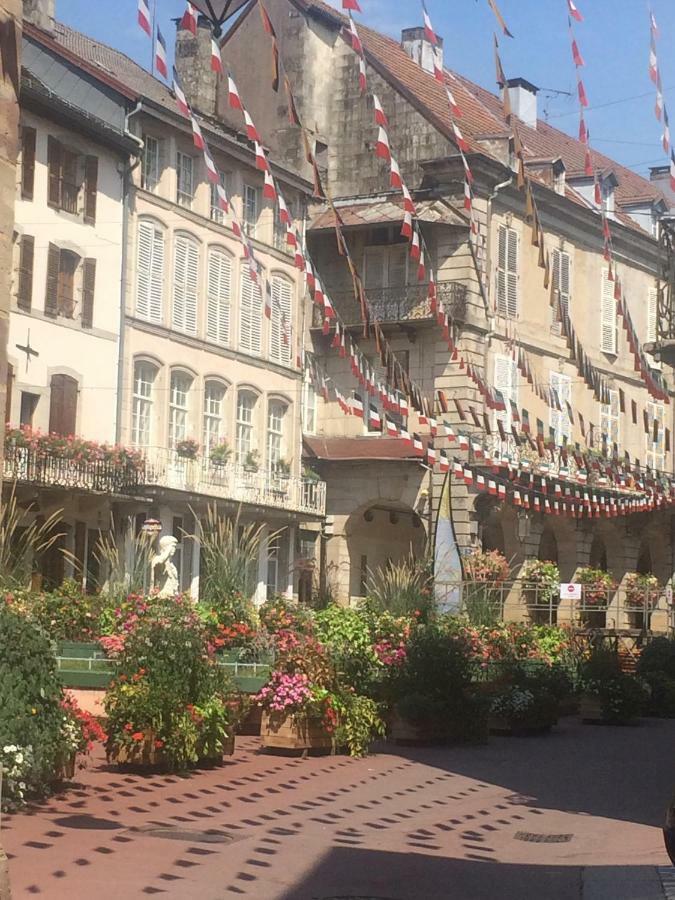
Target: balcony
(408, 303)
(165, 468)
(45, 468)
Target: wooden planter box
(406, 733)
(250, 725)
(294, 733)
(590, 710)
(143, 753)
(228, 750)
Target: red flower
(159, 744)
(137, 736)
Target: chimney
(39, 13)
(420, 49)
(523, 97)
(193, 64)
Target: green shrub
(658, 656)
(402, 589)
(347, 637)
(662, 700)
(66, 613)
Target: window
(655, 449)
(150, 271)
(142, 425)
(63, 405)
(151, 162)
(652, 314)
(275, 434)
(185, 285)
(386, 267)
(24, 290)
(507, 272)
(218, 293)
(281, 319)
(610, 419)
(246, 402)
(217, 214)
(608, 326)
(65, 178)
(506, 382)
(559, 419)
(250, 314)
(28, 141)
(273, 552)
(29, 404)
(179, 407)
(279, 235)
(251, 209)
(62, 267)
(184, 179)
(308, 406)
(214, 400)
(562, 284)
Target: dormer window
(607, 186)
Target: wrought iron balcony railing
(53, 469)
(399, 304)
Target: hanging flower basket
(187, 449)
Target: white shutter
(506, 382)
(610, 419)
(185, 285)
(149, 272)
(219, 286)
(250, 314)
(562, 283)
(559, 419)
(652, 314)
(607, 315)
(507, 272)
(282, 309)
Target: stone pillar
(290, 562)
(193, 63)
(260, 594)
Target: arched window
(281, 318)
(150, 271)
(214, 402)
(250, 314)
(143, 404)
(246, 402)
(218, 296)
(276, 413)
(179, 407)
(185, 284)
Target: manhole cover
(543, 838)
(173, 833)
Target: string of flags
(660, 108)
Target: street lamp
(218, 11)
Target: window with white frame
(150, 271)
(280, 231)
(185, 284)
(276, 414)
(152, 169)
(559, 419)
(179, 407)
(217, 214)
(218, 296)
(507, 272)
(142, 404)
(250, 314)
(251, 211)
(506, 382)
(610, 419)
(655, 449)
(308, 406)
(281, 318)
(185, 187)
(246, 403)
(386, 266)
(214, 408)
(561, 266)
(608, 318)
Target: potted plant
(541, 584)
(596, 588)
(81, 730)
(484, 575)
(296, 714)
(523, 710)
(282, 469)
(219, 454)
(609, 695)
(309, 474)
(252, 461)
(642, 594)
(187, 448)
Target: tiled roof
(383, 212)
(353, 448)
(482, 112)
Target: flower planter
(406, 733)
(228, 750)
(143, 753)
(250, 725)
(294, 732)
(591, 712)
(519, 728)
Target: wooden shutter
(52, 290)
(90, 188)
(54, 169)
(28, 140)
(250, 314)
(282, 293)
(652, 314)
(607, 315)
(88, 284)
(185, 285)
(24, 293)
(63, 405)
(506, 382)
(219, 283)
(149, 272)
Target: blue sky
(614, 40)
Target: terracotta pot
(294, 732)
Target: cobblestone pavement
(574, 814)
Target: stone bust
(163, 572)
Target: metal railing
(166, 468)
(614, 609)
(52, 469)
(399, 304)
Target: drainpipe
(126, 183)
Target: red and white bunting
(382, 148)
(454, 106)
(211, 170)
(574, 11)
(395, 180)
(144, 17)
(357, 406)
(189, 20)
(459, 138)
(428, 27)
(197, 136)
(160, 54)
(233, 94)
(380, 117)
(251, 130)
(216, 60)
(260, 158)
(223, 201)
(357, 46)
(269, 189)
(351, 5)
(181, 99)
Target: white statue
(167, 578)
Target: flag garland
(144, 18)
(660, 108)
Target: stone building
(507, 319)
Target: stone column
(261, 588)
